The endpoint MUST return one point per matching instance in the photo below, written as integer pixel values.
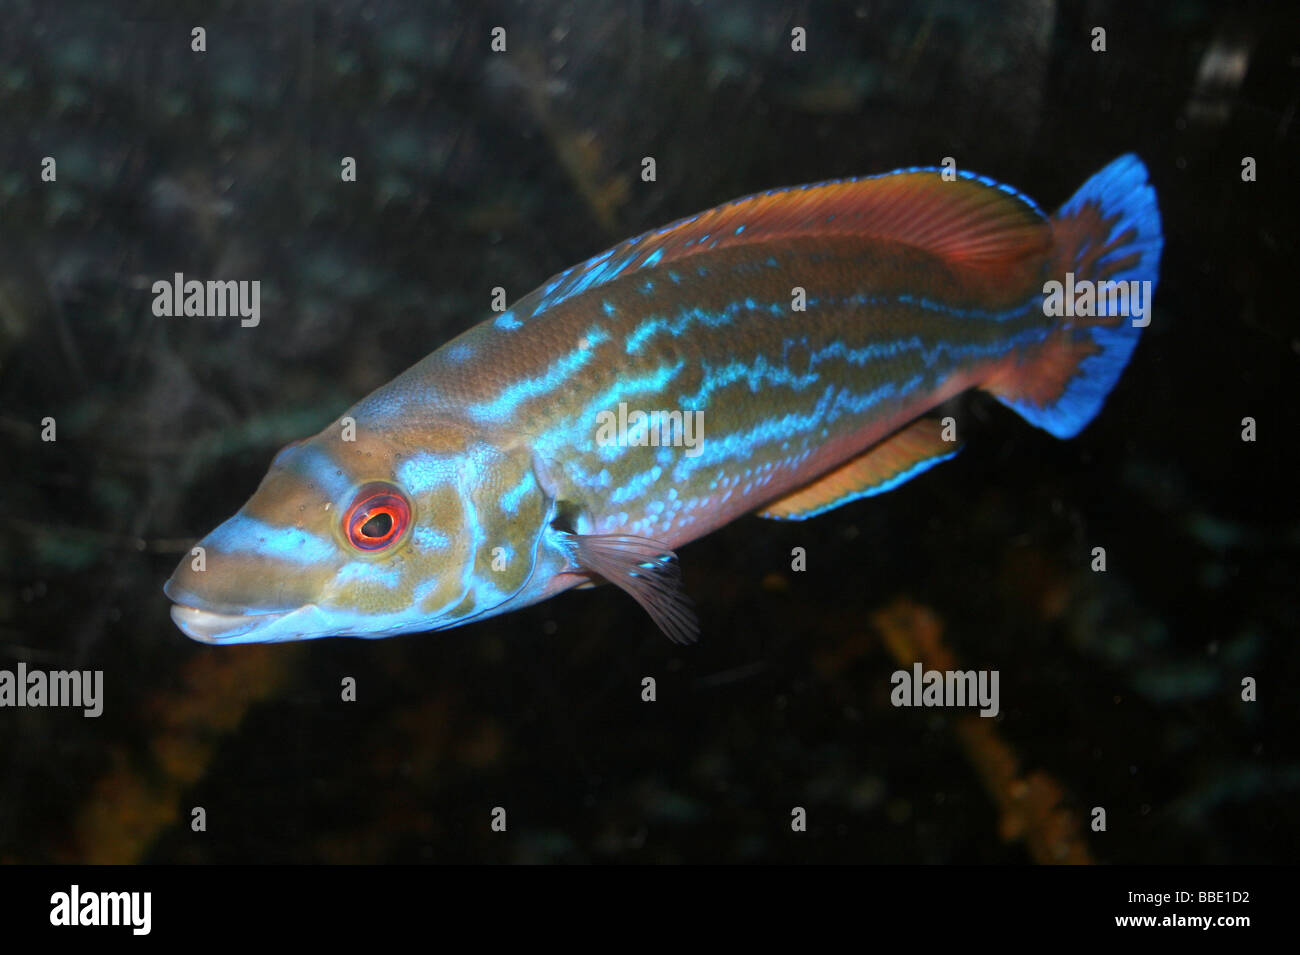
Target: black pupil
(377, 526)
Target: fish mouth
(209, 621)
(208, 626)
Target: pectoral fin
(646, 569)
(903, 455)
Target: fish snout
(222, 601)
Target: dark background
(1119, 690)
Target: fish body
(776, 354)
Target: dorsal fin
(970, 221)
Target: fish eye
(378, 516)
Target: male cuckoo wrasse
(807, 331)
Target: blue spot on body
(248, 535)
(423, 472)
(556, 375)
(320, 468)
(512, 498)
(361, 571)
(427, 538)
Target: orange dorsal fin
(970, 222)
(898, 458)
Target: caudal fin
(1106, 244)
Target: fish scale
(760, 329)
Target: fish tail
(1107, 236)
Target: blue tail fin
(1107, 237)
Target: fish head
(374, 536)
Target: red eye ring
(378, 516)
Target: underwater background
(1119, 689)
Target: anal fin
(900, 457)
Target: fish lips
(206, 624)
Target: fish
(782, 354)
